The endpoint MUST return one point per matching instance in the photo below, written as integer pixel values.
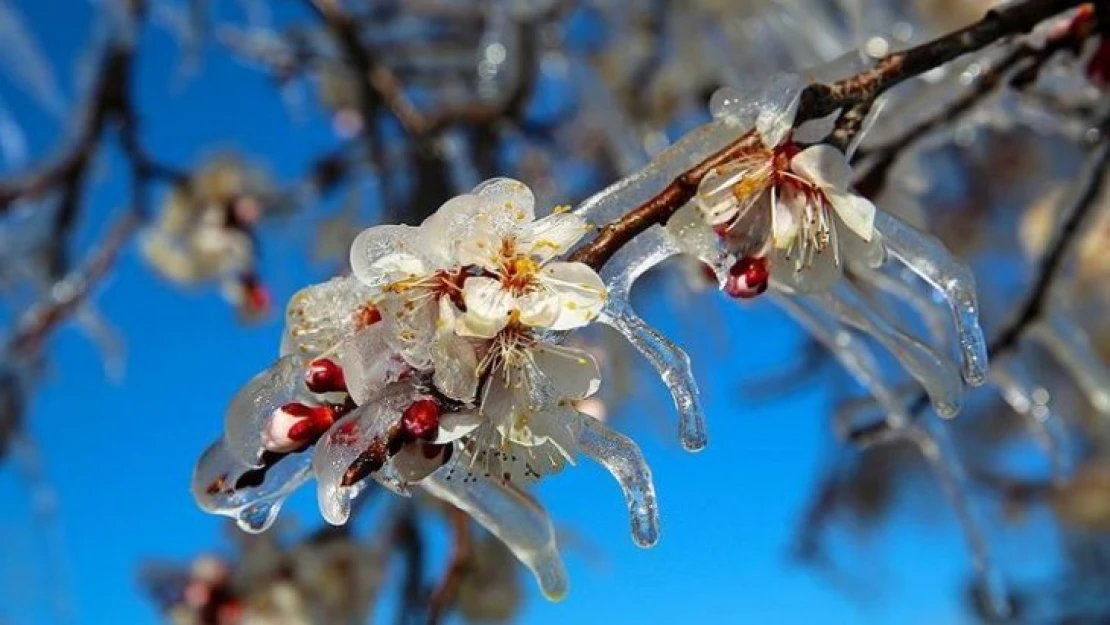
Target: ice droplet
(939, 379)
(510, 515)
(928, 258)
(258, 517)
(623, 458)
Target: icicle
(1029, 399)
(672, 364)
(939, 379)
(508, 514)
(853, 354)
(623, 458)
(928, 258)
(931, 437)
(252, 496)
(1071, 346)
(903, 288)
(647, 250)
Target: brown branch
(819, 100)
(444, 594)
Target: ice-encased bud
(253, 405)
(250, 495)
(357, 446)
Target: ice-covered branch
(819, 100)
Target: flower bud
(747, 278)
(420, 420)
(325, 376)
(295, 425)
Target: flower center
(518, 274)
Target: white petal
(581, 293)
(572, 372)
(539, 309)
(410, 327)
(455, 425)
(818, 276)
(773, 127)
(454, 357)
(318, 317)
(369, 363)
(784, 217)
(375, 244)
(487, 308)
(511, 203)
(778, 107)
(823, 165)
(857, 212)
(453, 223)
(482, 249)
(553, 235)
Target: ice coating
(508, 514)
(347, 441)
(252, 496)
(931, 437)
(282, 383)
(1020, 390)
(928, 258)
(936, 375)
(692, 236)
(1071, 346)
(616, 199)
(320, 316)
(623, 458)
(853, 354)
(369, 363)
(374, 244)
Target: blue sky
(119, 452)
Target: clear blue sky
(119, 453)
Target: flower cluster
(440, 363)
